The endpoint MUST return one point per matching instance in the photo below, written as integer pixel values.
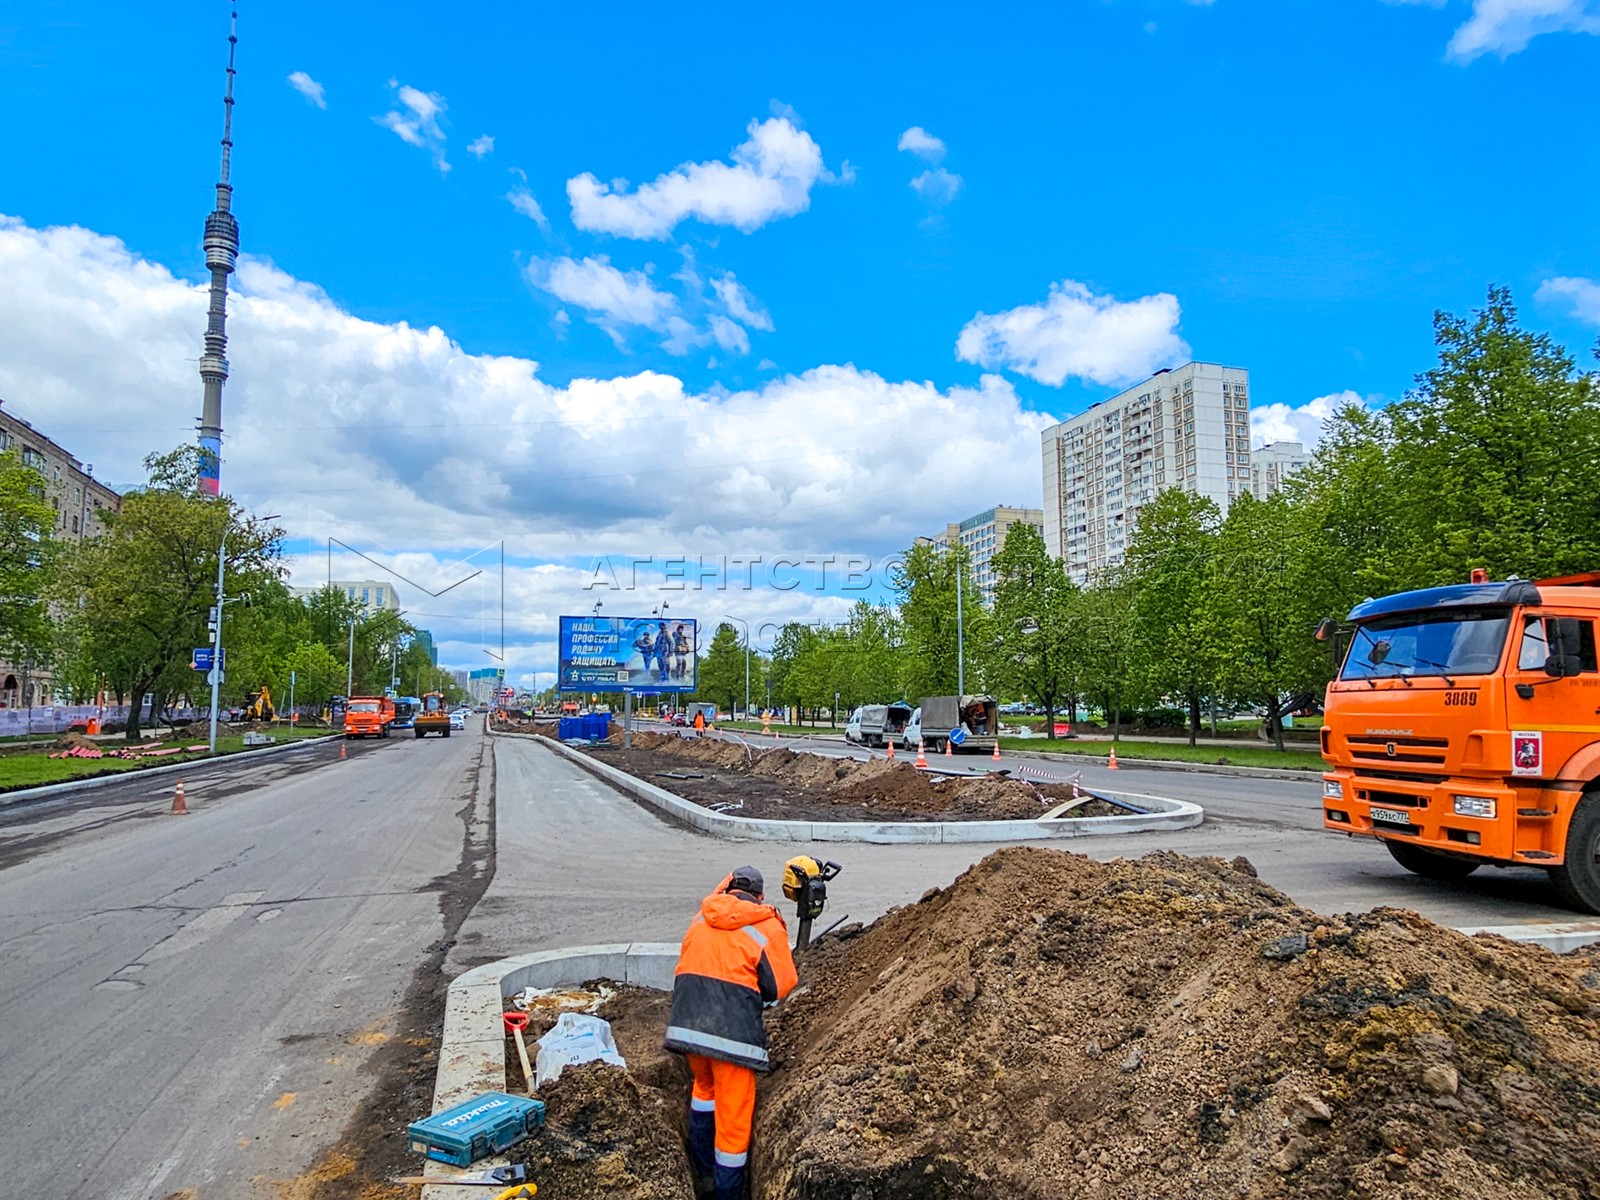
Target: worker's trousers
(721, 1112)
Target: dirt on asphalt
(1052, 1026)
(783, 784)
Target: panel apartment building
(983, 535)
(1187, 427)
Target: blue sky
(1288, 185)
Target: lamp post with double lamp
(215, 674)
(746, 625)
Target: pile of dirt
(75, 741)
(789, 785)
(609, 1133)
(1053, 1026)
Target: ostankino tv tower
(222, 249)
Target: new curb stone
(1173, 814)
(472, 1050)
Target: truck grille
(1384, 799)
(1377, 748)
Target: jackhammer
(805, 881)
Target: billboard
(637, 654)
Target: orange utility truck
(433, 716)
(368, 716)
(1463, 729)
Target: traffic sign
(201, 659)
(958, 736)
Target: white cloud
(309, 88)
(741, 305)
(419, 124)
(481, 147)
(1291, 423)
(771, 176)
(1504, 27)
(522, 199)
(613, 299)
(1581, 296)
(922, 143)
(366, 430)
(937, 186)
(1077, 333)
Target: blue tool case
(484, 1125)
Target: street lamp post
(350, 663)
(961, 658)
(746, 625)
(216, 634)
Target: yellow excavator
(260, 706)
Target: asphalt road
(195, 1006)
(215, 1006)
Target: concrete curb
(1299, 775)
(22, 795)
(1562, 937)
(472, 1049)
(1175, 814)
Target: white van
(852, 728)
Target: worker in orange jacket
(734, 962)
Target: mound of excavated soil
(786, 784)
(1051, 1026)
(612, 1133)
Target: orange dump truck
(368, 716)
(433, 716)
(1463, 729)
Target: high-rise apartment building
(1273, 463)
(1188, 427)
(983, 535)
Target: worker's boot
(702, 1145)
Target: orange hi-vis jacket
(734, 961)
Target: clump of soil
(610, 1133)
(75, 741)
(786, 785)
(1053, 1026)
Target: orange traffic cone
(922, 757)
(890, 755)
(343, 750)
(996, 754)
(179, 808)
(948, 753)
(1111, 764)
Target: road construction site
(254, 993)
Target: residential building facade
(374, 596)
(81, 505)
(982, 536)
(1187, 427)
(1272, 464)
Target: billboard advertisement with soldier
(638, 654)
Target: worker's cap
(747, 879)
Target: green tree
(1032, 608)
(1168, 566)
(28, 557)
(1496, 455)
(141, 591)
(1269, 576)
(722, 669)
(925, 579)
(1104, 642)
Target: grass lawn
(23, 770)
(755, 727)
(1130, 748)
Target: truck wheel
(447, 733)
(1430, 864)
(1578, 878)
(419, 735)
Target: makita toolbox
(484, 1125)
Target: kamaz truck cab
(1463, 728)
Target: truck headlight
(1333, 788)
(1473, 806)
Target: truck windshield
(367, 706)
(1455, 642)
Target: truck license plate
(1394, 816)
